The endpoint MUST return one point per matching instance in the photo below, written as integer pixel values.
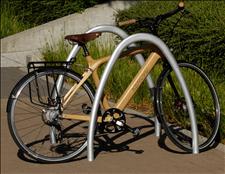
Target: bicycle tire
(173, 112)
(26, 122)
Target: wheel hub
(50, 115)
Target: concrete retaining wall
(17, 49)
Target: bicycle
(60, 111)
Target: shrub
(10, 23)
(199, 37)
(19, 15)
(37, 12)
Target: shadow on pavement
(162, 143)
(106, 142)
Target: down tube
(168, 55)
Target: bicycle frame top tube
(92, 69)
(121, 34)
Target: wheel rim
(33, 135)
(175, 117)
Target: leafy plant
(37, 12)
(10, 23)
(199, 36)
(19, 15)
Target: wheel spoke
(31, 116)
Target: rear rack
(50, 96)
(31, 66)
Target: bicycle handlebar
(173, 12)
(158, 18)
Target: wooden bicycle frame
(128, 93)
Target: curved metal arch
(140, 59)
(165, 50)
(122, 34)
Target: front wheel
(34, 110)
(172, 109)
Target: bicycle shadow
(106, 143)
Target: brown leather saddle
(83, 38)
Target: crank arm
(134, 131)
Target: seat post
(86, 52)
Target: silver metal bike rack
(140, 59)
(168, 55)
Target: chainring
(113, 120)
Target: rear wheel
(173, 112)
(35, 115)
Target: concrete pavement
(146, 154)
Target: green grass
(115, 86)
(10, 24)
(202, 99)
(19, 15)
(199, 36)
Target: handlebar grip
(128, 22)
(180, 7)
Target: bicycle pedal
(134, 131)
